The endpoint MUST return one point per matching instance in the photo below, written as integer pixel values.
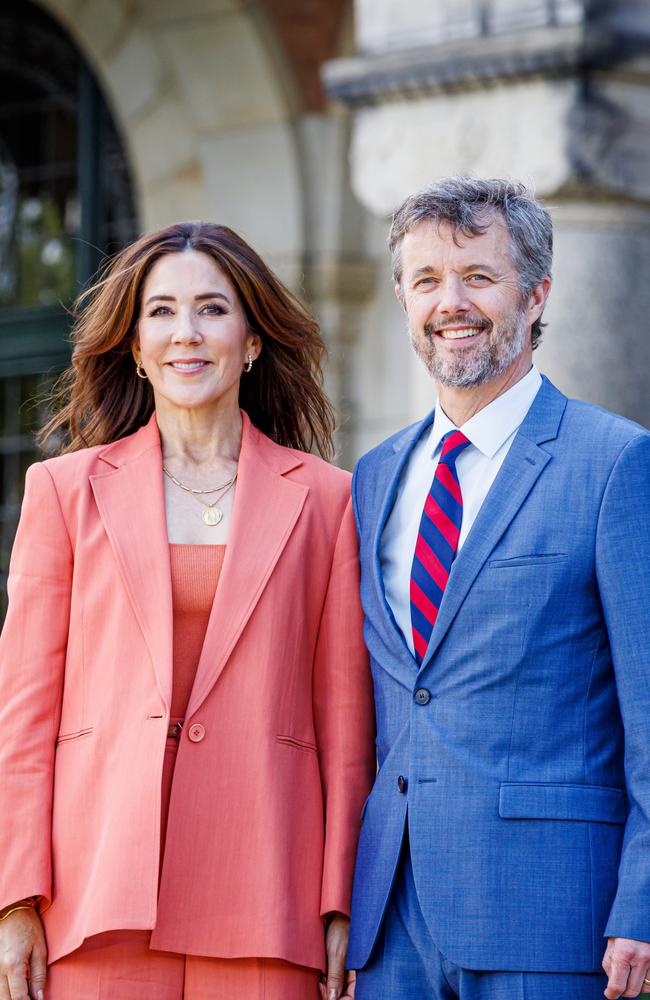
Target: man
(505, 547)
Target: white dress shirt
(490, 432)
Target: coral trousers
(119, 965)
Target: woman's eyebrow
(197, 298)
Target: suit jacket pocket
(303, 745)
(546, 800)
(71, 737)
(534, 559)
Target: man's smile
(459, 332)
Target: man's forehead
(430, 237)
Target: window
(65, 201)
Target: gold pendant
(212, 516)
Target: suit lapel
(266, 509)
(131, 504)
(389, 471)
(522, 467)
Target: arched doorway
(65, 201)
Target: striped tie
(435, 549)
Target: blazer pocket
(297, 744)
(534, 559)
(71, 737)
(541, 800)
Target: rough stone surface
(173, 11)
(101, 24)
(253, 184)
(518, 131)
(135, 73)
(596, 345)
(610, 136)
(179, 197)
(224, 72)
(162, 142)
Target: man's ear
(399, 295)
(537, 299)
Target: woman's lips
(189, 367)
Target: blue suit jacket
(529, 768)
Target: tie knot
(452, 444)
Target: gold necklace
(212, 515)
(190, 489)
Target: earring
(249, 363)
(139, 370)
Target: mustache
(477, 321)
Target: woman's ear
(254, 345)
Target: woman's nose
(185, 329)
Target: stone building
(302, 124)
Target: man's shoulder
(591, 426)
(389, 447)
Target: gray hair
(467, 205)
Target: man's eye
(478, 278)
(424, 281)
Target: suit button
(196, 732)
(422, 696)
(402, 784)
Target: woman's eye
(212, 309)
(160, 311)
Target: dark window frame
(34, 340)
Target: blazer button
(196, 732)
(422, 696)
(402, 784)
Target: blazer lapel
(522, 467)
(266, 509)
(389, 471)
(131, 504)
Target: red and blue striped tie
(437, 543)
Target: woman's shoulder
(71, 473)
(316, 472)
(73, 462)
(99, 458)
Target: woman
(183, 765)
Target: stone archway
(203, 111)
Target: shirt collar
(491, 427)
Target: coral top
(195, 571)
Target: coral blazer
(277, 753)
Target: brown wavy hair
(99, 398)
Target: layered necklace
(211, 515)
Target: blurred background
(303, 124)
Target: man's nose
(453, 296)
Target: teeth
(187, 365)
(467, 331)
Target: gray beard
(475, 366)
